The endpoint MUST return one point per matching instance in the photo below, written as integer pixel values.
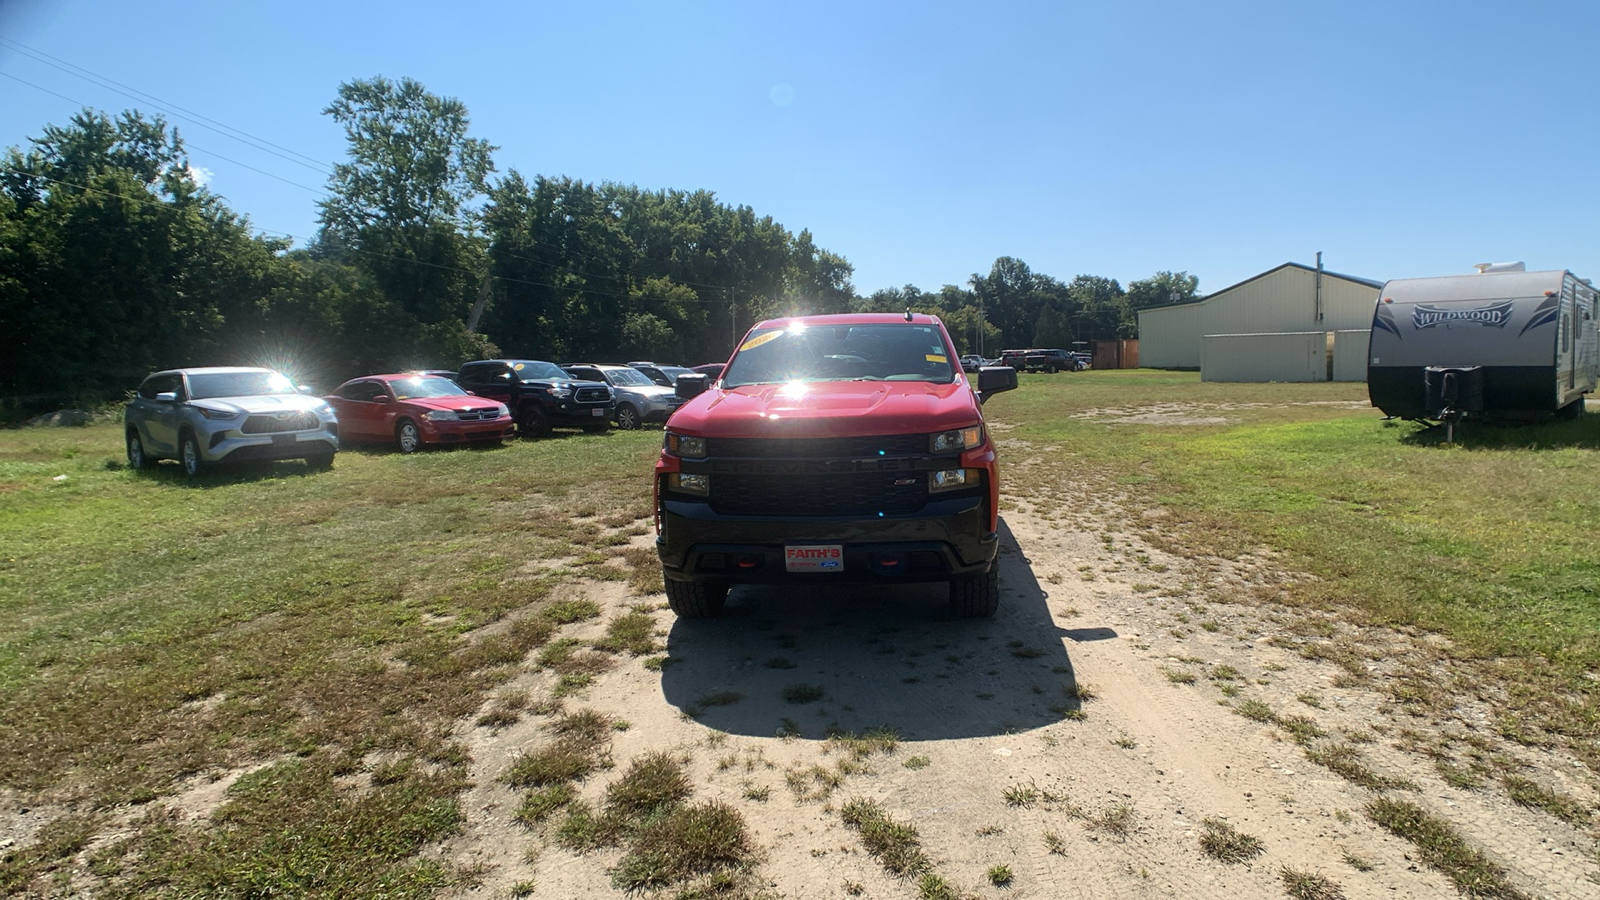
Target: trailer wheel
(1571, 411)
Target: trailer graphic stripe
(1543, 314)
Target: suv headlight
(960, 439)
(686, 446)
(440, 415)
(223, 414)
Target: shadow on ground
(804, 660)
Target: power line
(173, 109)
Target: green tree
(402, 207)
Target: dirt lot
(1075, 745)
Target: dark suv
(541, 395)
(834, 448)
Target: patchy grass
(541, 803)
(1346, 762)
(1117, 820)
(633, 633)
(1000, 876)
(1443, 849)
(917, 762)
(580, 746)
(1178, 676)
(54, 845)
(1255, 711)
(896, 845)
(804, 693)
(1221, 841)
(1309, 885)
(1530, 793)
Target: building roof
(1375, 285)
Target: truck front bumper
(945, 538)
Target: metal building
(1286, 324)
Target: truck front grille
(821, 448)
(849, 494)
(279, 422)
(592, 395)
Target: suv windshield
(238, 384)
(425, 387)
(530, 371)
(629, 377)
(877, 352)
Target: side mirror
(691, 386)
(995, 379)
(381, 398)
(167, 397)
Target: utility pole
(733, 329)
(477, 308)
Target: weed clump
(1223, 842)
(895, 844)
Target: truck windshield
(533, 370)
(877, 352)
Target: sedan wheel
(627, 417)
(408, 437)
(189, 455)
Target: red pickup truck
(832, 448)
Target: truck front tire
(531, 421)
(695, 599)
(976, 596)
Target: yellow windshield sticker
(518, 367)
(938, 359)
(759, 339)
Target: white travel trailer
(1504, 344)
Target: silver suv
(639, 399)
(212, 415)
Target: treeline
(114, 262)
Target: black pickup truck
(541, 395)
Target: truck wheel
(189, 455)
(695, 599)
(531, 421)
(136, 458)
(976, 596)
(627, 417)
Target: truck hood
(829, 409)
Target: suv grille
(592, 395)
(853, 494)
(279, 422)
(821, 448)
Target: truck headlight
(953, 479)
(687, 483)
(960, 439)
(560, 389)
(686, 446)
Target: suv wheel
(695, 599)
(319, 462)
(976, 596)
(627, 417)
(136, 458)
(531, 421)
(407, 437)
(189, 455)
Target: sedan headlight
(685, 446)
(960, 439)
(440, 415)
(501, 410)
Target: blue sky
(923, 140)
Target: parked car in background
(439, 373)
(661, 374)
(972, 363)
(1050, 360)
(1084, 358)
(639, 400)
(712, 371)
(541, 395)
(415, 410)
(204, 416)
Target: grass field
(152, 629)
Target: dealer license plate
(597, 412)
(814, 558)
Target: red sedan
(415, 410)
